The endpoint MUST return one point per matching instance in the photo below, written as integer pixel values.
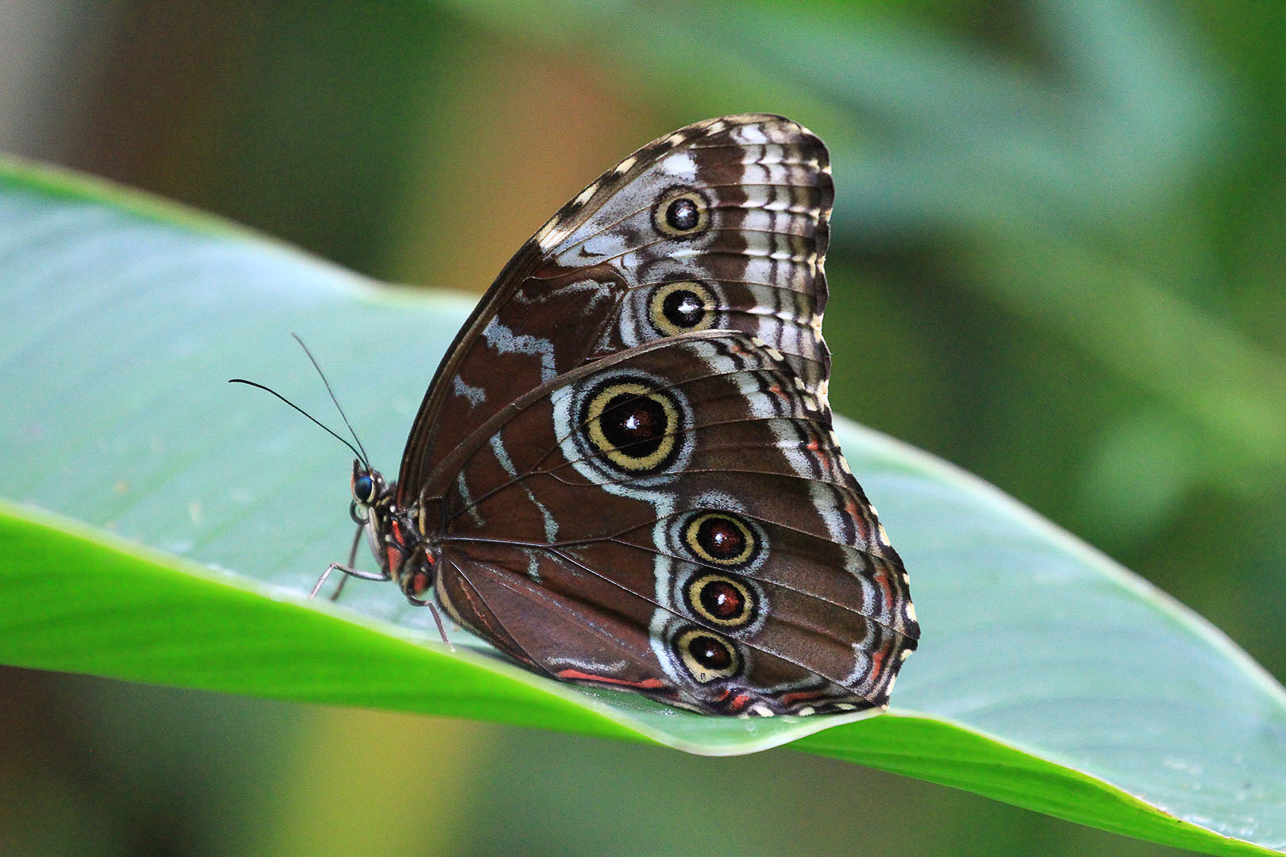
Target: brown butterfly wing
(719, 225)
(677, 519)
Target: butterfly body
(624, 472)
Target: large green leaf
(160, 525)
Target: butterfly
(624, 472)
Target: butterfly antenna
(365, 460)
(314, 420)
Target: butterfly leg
(348, 570)
(352, 560)
(437, 617)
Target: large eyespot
(706, 656)
(681, 306)
(681, 212)
(721, 600)
(722, 539)
(632, 424)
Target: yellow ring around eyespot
(656, 307)
(747, 600)
(594, 426)
(694, 544)
(704, 674)
(663, 207)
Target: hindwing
(678, 519)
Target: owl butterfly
(624, 472)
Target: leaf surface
(160, 525)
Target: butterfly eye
(681, 213)
(706, 656)
(633, 425)
(722, 600)
(722, 539)
(675, 308)
(364, 489)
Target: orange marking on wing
(577, 675)
(859, 521)
(882, 578)
(877, 661)
(801, 696)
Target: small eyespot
(707, 657)
(633, 425)
(682, 306)
(721, 539)
(681, 212)
(722, 600)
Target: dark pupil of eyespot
(683, 308)
(710, 653)
(722, 599)
(721, 538)
(636, 422)
(682, 214)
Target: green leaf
(160, 525)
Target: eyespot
(706, 656)
(681, 213)
(681, 306)
(722, 600)
(722, 539)
(632, 424)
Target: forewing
(719, 225)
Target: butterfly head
(372, 496)
(391, 533)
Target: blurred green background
(1057, 261)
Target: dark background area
(1057, 261)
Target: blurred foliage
(1058, 247)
